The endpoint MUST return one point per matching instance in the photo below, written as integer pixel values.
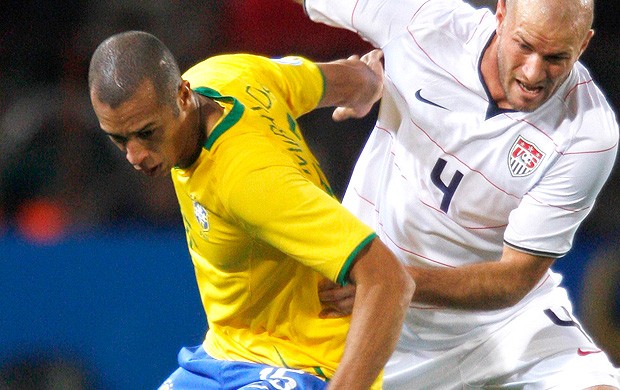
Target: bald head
(537, 44)
(574, 15)
(122, 62)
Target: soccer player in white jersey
(491, 146)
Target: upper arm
(295, 80)
(299, 81)
(376, 263)
(559, 203)
(377, 21)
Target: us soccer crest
(524, 157)
(202, 216)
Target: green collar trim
(229, 121)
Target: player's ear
(184, 94)
(500, 12)
(586, 41)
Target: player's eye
(145, 134)
(555, 59)
(117, 139)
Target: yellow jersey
(262, 224)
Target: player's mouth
(154, 171)
(532, 91)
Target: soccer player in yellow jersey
(262, 225)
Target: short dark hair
(123, 61)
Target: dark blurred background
(98, 290)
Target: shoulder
(244, 64)
(592, 117)
(448, 25)
(226, 67)
(450, 13)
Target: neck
(198, 134)
(489, 68)
(211, 112)
(208, 112)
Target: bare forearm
(381, 300)
(372, 337)
(471, 287)
(484, 286)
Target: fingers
(337, 294)
(336, 301)
(337, 308)
(326, 284)
(334, 309)
(343, 113)
(373, 61)
(372, 56)
(332, 313)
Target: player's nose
(135, 154)
(533, 69)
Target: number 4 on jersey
(448, 190)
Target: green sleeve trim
(229, 121)
(324, 85)
(343, 276)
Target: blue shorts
(197, 370)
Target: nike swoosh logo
(423, 100)
(581, 352)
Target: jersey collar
(228, 121)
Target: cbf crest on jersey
(202, 216)
(524, 157)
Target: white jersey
(446, 178)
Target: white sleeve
(548, 217)
(377, 21)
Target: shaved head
(538, 42)
(122, 62)
(575, 15)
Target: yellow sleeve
(282, 208)
(295, 80)
(303, 84)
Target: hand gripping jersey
(446, 178)
(261, 224)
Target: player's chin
(527, 100)
(527, 104)
(156, 171)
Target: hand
(337, 301)
(373, 60)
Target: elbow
(406, 287)
(510, 297)
(509, 300)
(518, 286)
(516, 296)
